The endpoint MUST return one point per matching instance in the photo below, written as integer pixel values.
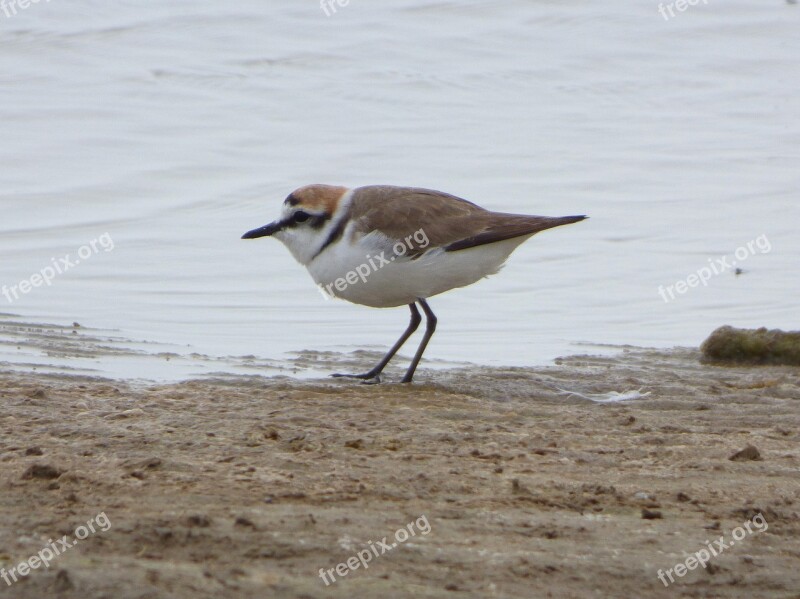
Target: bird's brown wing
(447, 221)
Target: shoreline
(247, 486)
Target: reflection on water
(174, 128)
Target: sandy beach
(248, 486)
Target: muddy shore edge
(247, 486)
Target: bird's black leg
(429, 329)
(412, 326)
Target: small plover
(386, 246)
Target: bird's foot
(367, 378)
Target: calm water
(174, 127)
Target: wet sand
(245, 486)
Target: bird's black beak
(264, 231)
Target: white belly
(356, 273)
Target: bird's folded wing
(447, 222)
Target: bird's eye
(301, 217)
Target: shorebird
(386, 246)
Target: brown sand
(247, 486)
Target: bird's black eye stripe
(315, 221)
(305, 219)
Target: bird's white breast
(365, 269)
